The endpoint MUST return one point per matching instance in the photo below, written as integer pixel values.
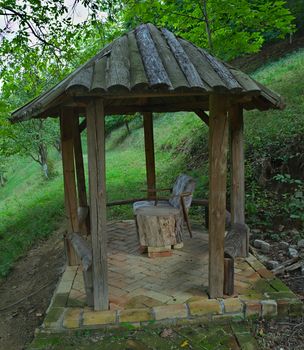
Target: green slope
(31, 208)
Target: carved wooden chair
(160, 222)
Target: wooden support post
(70, 194)
(81, 185)
(149, 152)
(237, 171)
(218, 146)
(97, 186)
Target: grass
(31, 208)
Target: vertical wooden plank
(149, 152)
(237, 170)
(70, 194)
(81, 185)
(97, 187)
(218, 147)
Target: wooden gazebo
(149, 70)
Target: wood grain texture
(82, 249)
(154, 67)
(97, 185)
(218, 147)
(177, 77)
(223, 72)
(183, 60)
(67, 120)
(137, 71)
(237, 170)
(118, 74)
(99, 76)
(149, 153)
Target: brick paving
(174, 289)
(132, 275)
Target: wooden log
(183, 60)
(149, 153)
(97, 185)
(238, 173)
(119, 65)
(158, 226)
(84, 253)
(177, 77)
(81, 183)
(228, 275)
(70, 194)
(203, 116)
(154, 67)
(82, 249)
(218, 146)
(137, 70)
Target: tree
(228, 28)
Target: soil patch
(32, 282)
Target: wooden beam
(97, 186)
(149, 152)
(237, 170)
(70, 194)
(203, 116)
(81, 183)
(83, 125)
(218, 146)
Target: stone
(300, 244)
(204, 307)
(135, 315)
(253, 308)
(170, 311)
(293, 253)
(233, 305)
(281, 228)
(272, 264)
(265, 247)
(257, 243)
(255, 231)
(71, 318)
(283, 245)
(53, 317)
(269, 308)
(93, 318)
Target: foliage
(228, 28)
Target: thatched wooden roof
(150, 69)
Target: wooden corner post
(218, 147)
(81, 184)
(149, 152)
(237, 171)
(97, 186)
(70, 193)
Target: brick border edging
(63, 318)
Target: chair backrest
(183, 183)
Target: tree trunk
(43, 159)
(127, 126)
(207, 24)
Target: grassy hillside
(31, 208)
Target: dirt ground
(26, 293)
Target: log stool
(158, 229)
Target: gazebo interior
(151, 70)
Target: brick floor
(172, 288)
(168, 280)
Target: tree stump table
(159, 229)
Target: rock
(283, 245)
(302, 270)
(281, 228)
(301, 243)
(258, 243)
(265, 247)
(272, 264)
(293, 253)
